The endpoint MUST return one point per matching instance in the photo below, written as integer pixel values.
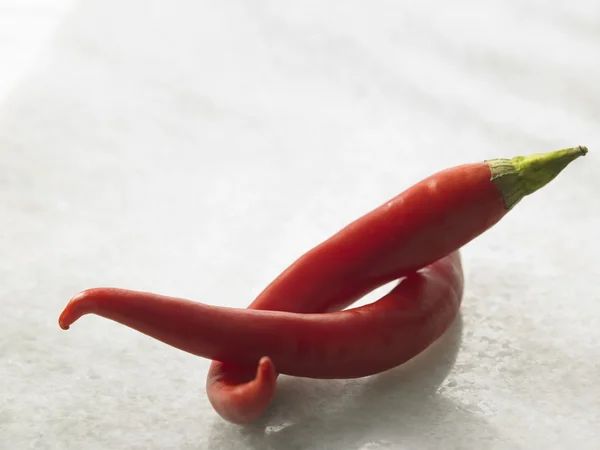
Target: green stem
(523, 175)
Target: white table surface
(196, 148)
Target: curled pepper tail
(240, 395)
(78, 306)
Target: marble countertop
(197, 148)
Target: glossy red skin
(429, 220)
(353, 343)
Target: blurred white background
(25, 26)
(197, 148)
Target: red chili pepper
(345, 344)
(440, 213)
(420, 226)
